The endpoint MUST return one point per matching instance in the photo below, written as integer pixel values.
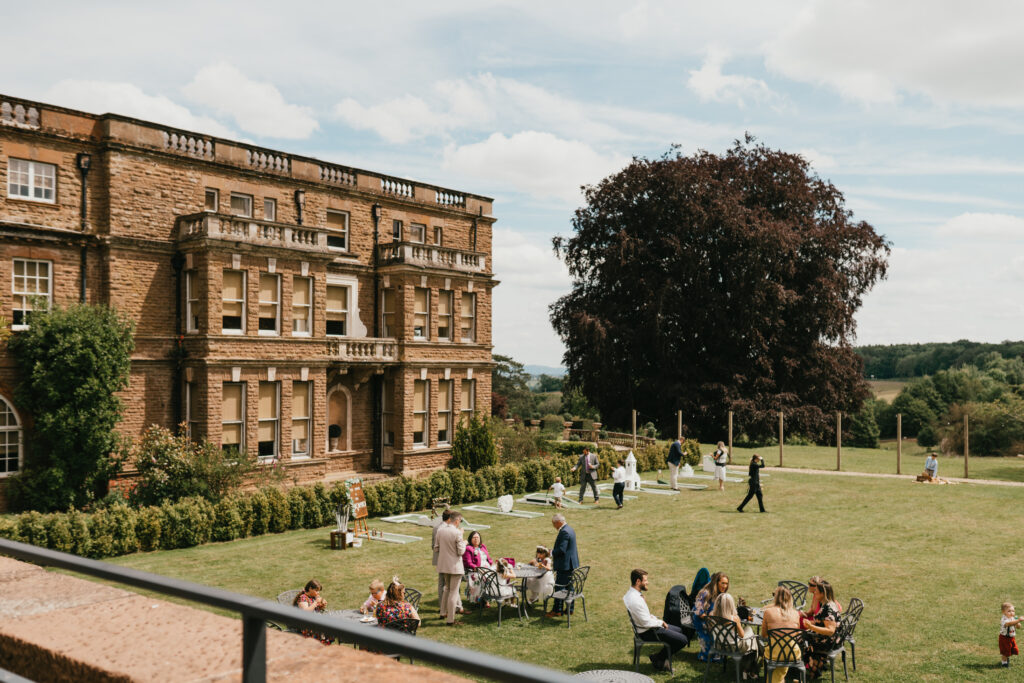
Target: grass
(881, 460)
(932, 583)
(887, 389)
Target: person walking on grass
(754, 485)
(674, 459)
(721, 457)
(1008, 634)
(587, 465)
(619, 485)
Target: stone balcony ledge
(364, 350)
(220, 226)
(431, 256)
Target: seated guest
(725, 607)
(931, 467)
(475, 557)
(779, 614)
(820, 624)
(649, 627)
(541, 587)
(703, 604)
(310, 600)
(376, 595)
(394, 606)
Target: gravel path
(879, 475)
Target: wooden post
(634, 429)
(780, 438)
(730, 435)
(839, 441)
(679, 424)
(967, 448)
(899, 441)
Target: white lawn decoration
(505, 503)
(686, 471)
(632, 478)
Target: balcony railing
(239, 229)
(364, 350)
(430, 256)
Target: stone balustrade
(263, 160)
(396, 187)
(431, 256)
(189, 145)
(338, 175)
(451, 199)
(240, 229)
(364, 350)
(17, 114)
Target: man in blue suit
(564, 559)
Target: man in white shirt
(649, 627)
(619, 486)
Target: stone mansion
(334, 320)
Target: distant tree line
(918, 360)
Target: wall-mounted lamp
(84, 162)
(376, 212)
(300, 203)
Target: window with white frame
(438, 235)
(387, 312)
(32, 287)
(387, 400)
(421, 313)
(31, 180)
(302, 306)
(337, 230)
(444, 314)
(190, 410)
(444, 411)
(10, 440)
(232, 428)
(191, 301)
(396, 231)
(467, 400)
(211, 201)
(417, 233)
(302, 400)
(337, 310)
(270, 209)
(420, 410)
(269, 419)
(241, 205)
(270, 304)
(467, 315)
(233, 302)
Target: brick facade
(156, 251)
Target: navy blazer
(563, 556)
(675, 454)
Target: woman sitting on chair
(394, 606)
(821, 626)
(310, 600)
(779, 614)
(703, 604)
(725, 607)
(475, 557)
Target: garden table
(612, 676)
(353, 615)
(524, 572)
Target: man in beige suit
(450, 545)
(440, 577)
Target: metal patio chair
(638, 644)
(783, 650)
(854, 610)
(570, 593)
(493, 590)
(725, 643)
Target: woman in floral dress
(703, 604)
(820, 624)
(394, 606)
(311, 601)
(475, 557)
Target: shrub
(440, 484)
(147, 528)
(32, 528)
(228, 523)
(864, 430)
(122, 520)
(58, 533)
(531, 471)
(324, 501)
(552, 423)
(927, 436)
(260, 506)
(101, 534)
(572, 448)
(81, 541)
(280, 513)
(243, 503)
(296, 508)
(473, 446)
(9, 528)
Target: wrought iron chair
(638, 644)
(288, 597)
(570, 593)
(493, 590)
(686, 619)
(725, 643)
(799, 591)
(413, 596)
(407, 625)
(782, 650)
(842, 629)
(854, 610)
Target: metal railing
(256, 612)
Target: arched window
(10, 439)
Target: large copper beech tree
(710, 283)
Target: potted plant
(333, 436)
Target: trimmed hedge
(121, 530)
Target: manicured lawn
(887, 389)
(932, 564)
(882, 460)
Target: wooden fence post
(634, 429)
(780, 438)
(730, 436)
(679, 424)
(899, 441)
(839, 441)
(967, 449)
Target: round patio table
(353, 615)
(612, 676)
(524, 572)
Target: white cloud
(711, 85)
(818, 160)
(988, 227)
(101, 97)
(536, 163)
(876, 51)
(257, 108)
(928, 197)
(531, 279)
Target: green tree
(473, 446)
(72, 362)
(509, 382)
(546, 383)
(711, 283)
(864, 430)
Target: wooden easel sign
(357, 505)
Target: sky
(912, 109)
